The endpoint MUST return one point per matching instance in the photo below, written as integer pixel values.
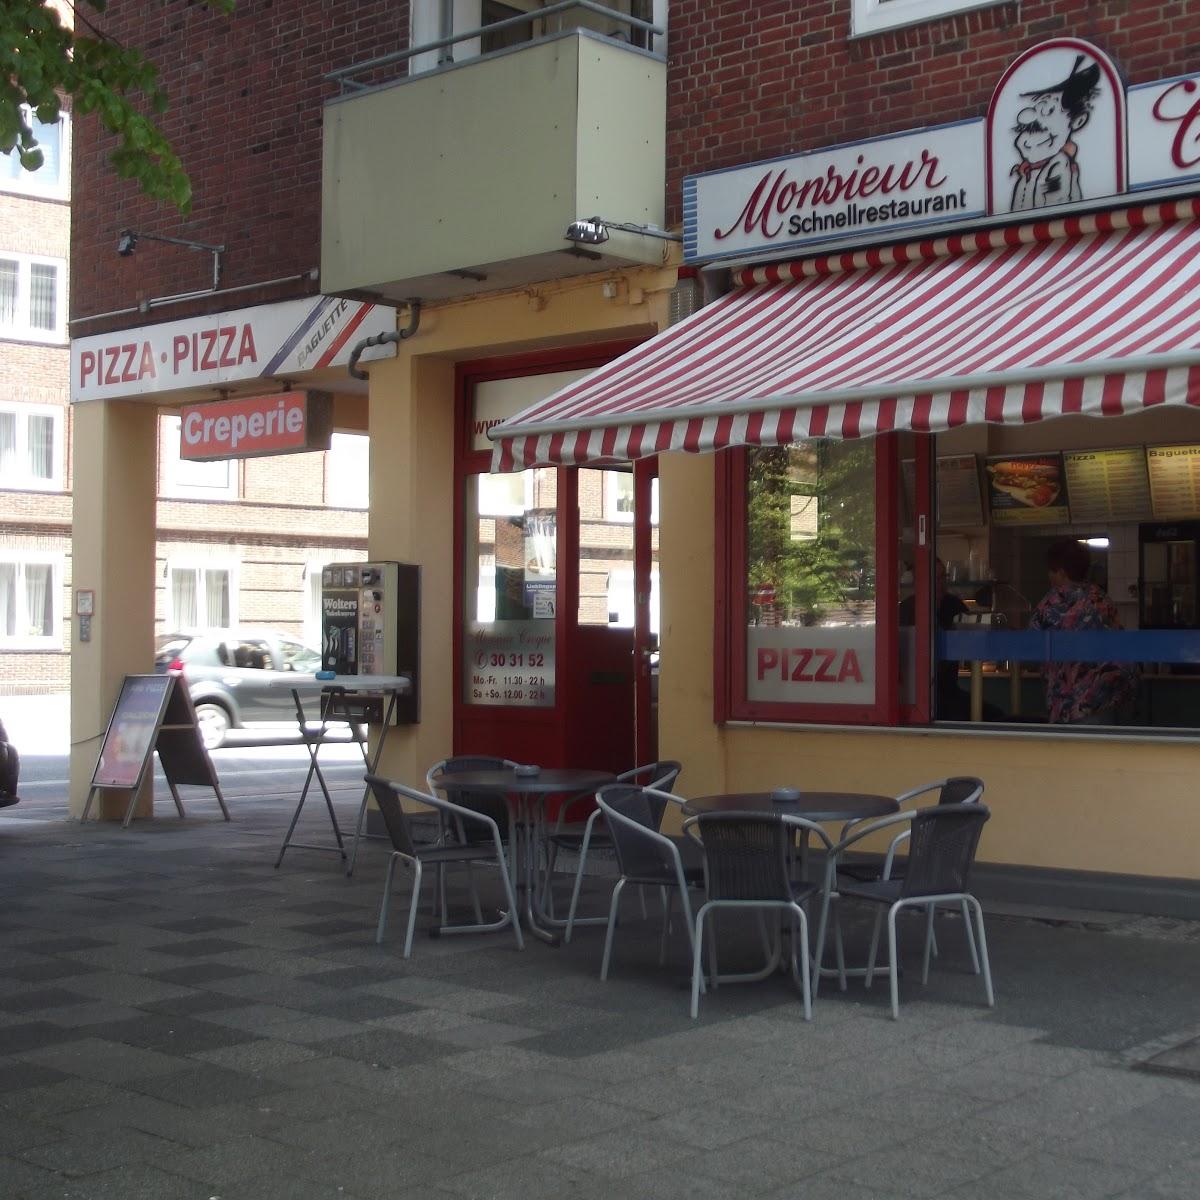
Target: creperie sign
(282, 423)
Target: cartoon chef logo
(1056, 129)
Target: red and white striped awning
(1097, 314)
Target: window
(185, 480)
(872, 16)
(52, 179)
(31, 446)
(32, 297)
(30, 600)
(347, 471)
(200, 596)
(296, 657)
(803, 635)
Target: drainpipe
(393, 336)
(445, 32)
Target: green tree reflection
(810, 531)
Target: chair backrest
(961, 789)
(747, 856)
(942, 849)
(660, 775)
(487, 803)
(395, 821)
(633, 825)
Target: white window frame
(875, 16)
(23, 558)
(312, 600)
(201, 566)
(175, 485)
(17, 482)
(612, 513)
(341, 491)
(32, 183)
(21, 330)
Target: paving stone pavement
(179, 1019)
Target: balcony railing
(638, 33)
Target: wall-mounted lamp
(128, 239)
(592, 231)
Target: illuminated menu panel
(1174, 480)
(1108, 485)
(959, 496)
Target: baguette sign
(280, 423)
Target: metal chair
(957, 789)
(749, 860)
(942, 850)
(593, 836)
(489, 850)
(487, 803)
(646, 856)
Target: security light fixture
(127, 241)
(592, 231)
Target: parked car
(227, 672)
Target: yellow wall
(1093, 805)
(112, 550)
(412, 404)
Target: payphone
(370, 623)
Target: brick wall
(752, 81)
(246, 95)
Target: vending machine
(370, 624)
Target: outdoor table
(813, 806)
(525, 796)
(373, 695)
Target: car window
(252, 653)
(167, 649)
(297, 657)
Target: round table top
(505, 779)
(815, 806)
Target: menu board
(1028, 489)
(959, 496)
(1108, 485)
(132, 729)
(1174, 480)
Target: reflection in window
(810, 574)
(810, 534)
(510, 588)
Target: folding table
(359, 699)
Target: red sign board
(280, 423)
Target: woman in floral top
(1087, 693)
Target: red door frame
(528, 733)
(645, 472)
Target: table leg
(314, 769)
(529, 811)
(371, 762)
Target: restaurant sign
(1062, 132)
(256, 426)
(270, 341)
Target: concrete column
(412, 520)
(112, 545)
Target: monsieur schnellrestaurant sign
(1062, 131)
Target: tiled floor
(179, 1019)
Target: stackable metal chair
(749, 863)
(488, 848)
(593, 836)
(942, 845)
(487, 803)
(957, 789)
(648, 857)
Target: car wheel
(214, 724)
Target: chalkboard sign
(153, 712)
